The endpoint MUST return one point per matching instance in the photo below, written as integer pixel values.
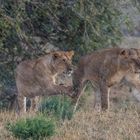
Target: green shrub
(32, 128)
(60, 107)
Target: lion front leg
(78, 91)
(35, 101)
(21, 103)
(105, 103)
(97, 96)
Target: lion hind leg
(97, 102)
(24, 104)
(97, 96)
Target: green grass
(59, 107)
(32, 128)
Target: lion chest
(54, 79)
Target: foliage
(82, 25)
(32, 128)
(136, 3)
(60, 107)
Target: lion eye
(64, 60)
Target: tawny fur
(37, 77)
(103, 69)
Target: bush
(34, 128)
(60, 107)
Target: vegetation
(34, 128)
(82, 25)
(121, 122)
(60, 107)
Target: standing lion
(37, 77)
(103, 69)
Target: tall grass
(59, 107)
(121, 122)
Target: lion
(133, 82)
(103, 69)
(37, 77)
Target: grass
(33, 128)
(121, 122)
(60, 107)
(104, 126)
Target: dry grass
(122, 122)
(7, 117)
(89, 125)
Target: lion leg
(97, 96)
(104, 96)
(80, 91)
(97, 103)
(35, 103)
(21, 103)
(105, 100)
(79, 95)
(108, 95)
(13, 103)
(24, 104)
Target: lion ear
(56, 55)
(124, 53)
(70, 54)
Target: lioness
(133, 82)
(37, 77)
(103, 69)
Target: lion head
(62, 62)
(130, 59)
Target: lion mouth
(68, 73)
(137, 72)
